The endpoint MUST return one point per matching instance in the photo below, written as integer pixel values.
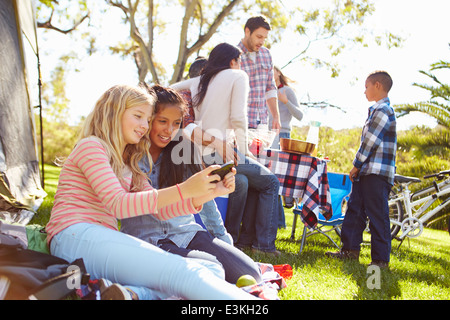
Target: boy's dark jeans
(369, 198)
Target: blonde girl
(101, 182)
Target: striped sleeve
(90, 156)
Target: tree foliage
(438, 107)
(201, 24)
(200, 20)
(58, 140)
(336, 26)
(57, 11)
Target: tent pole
(40, 122)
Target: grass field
(419, 269)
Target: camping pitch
(20, 182)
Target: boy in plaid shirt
(372, 176)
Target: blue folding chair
(340, 189)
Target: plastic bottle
(313, 135)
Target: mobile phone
(223, 170)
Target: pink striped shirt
(89, 191)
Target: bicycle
(408, 212)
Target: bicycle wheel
(396, 213)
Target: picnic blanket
(273, 280)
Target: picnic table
(304, 178)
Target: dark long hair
(219, 60)
(172, 173)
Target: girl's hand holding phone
(200, 184)
(226, 185)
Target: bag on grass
(29, 274)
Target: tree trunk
(184, 52)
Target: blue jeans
(369, 198)
(204, 246)
(276, 141)
(147, 270)
(258, 210)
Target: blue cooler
(222, 205)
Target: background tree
(438, 107)
(201, 23)
(58, 10)
(335, 28)
(424, 150)
(58, 136)
(200, 20)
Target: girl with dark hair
(220, 96)
(182, 235)
(101, 182)
(224, 56)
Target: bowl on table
(296, 146)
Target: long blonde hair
(104, 122)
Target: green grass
(51, 176)
(419, 269)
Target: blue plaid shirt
(376, 154)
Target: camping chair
(340, 189)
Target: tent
(20, 179)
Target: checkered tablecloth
(303, 177)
